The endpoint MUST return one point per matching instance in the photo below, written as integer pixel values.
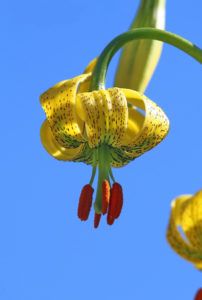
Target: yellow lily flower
(103, 128)
(186, 215)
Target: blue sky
(46, 252)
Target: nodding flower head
(103, 128)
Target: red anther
(97, 218)
(115, 203)
(198, 295)
(105, 196)
(117, 194)
(110, 220)
(85, 202)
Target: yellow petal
(87, 109)
(179, 243)
(152, 130)
(198, 266)
(54, 148)
(101, 119)
(178, 206)
(191, 220)
(91, 66)
(118, 116)
(59, 105)
(135, 123)
(85, 85)
(105, 114)
(119, 157)
(105, 107)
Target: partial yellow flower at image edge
(184, 232)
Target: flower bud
(140, 58)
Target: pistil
(97, 218)
(104, 167)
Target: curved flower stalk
(99, 74)
(103, 128)
(139, 59)
(186, 217)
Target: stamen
(198, 295)
(97, 218)
(111, 175)
(105, 196)
(85, 202)
(93, 175)
(110, 220)
(115, 203)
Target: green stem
(93, 175)
(111, 175)
(99, 74)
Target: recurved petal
(55, 149)
(58, 103)
(199, 266)
(118, 116)
(91, 66)
(147, 125)
(105, 115)
(88, 111)
(119, 157)
(134, 126)
(191, 220)
(177, 241)
(85, 85)
(113, 115)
